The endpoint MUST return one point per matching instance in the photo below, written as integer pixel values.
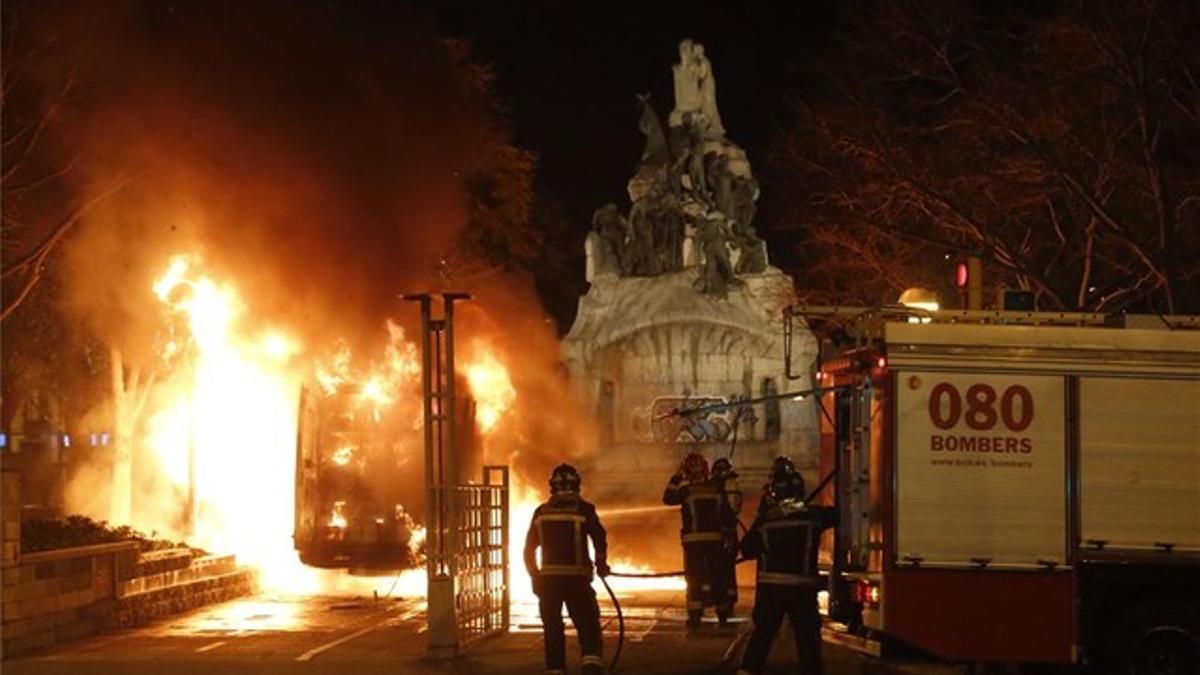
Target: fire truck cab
(1015, 487)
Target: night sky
(568, 73)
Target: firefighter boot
(723, 616)
(693, 620)
(593, 665)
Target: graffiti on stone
(713, 422)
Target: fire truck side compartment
(1030, 487)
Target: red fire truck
(1015, 487)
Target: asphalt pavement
(362, 635)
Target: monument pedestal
(642, 345)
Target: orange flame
(491, 387)
(232, 407)
(233, 402)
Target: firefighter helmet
(786, 482)
(722, 468)
(694, 467)
(565, 478)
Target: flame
(338, 517)
(342, 455)
(524, 500)
(496, 401)
(336, 371)
(232, 406)
(491, 387)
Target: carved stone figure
(752, 258)
(720, 184)
(668, 232)
(612, 229)
(679, 143)
(707, 85)
(687, 84)
(716, 274)
(745, 196)
(643, 257)
(655, 153)
(695, 89)
(693, 195)
(695, 158)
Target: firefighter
(701, 510)
(725, 478)
(784, 539)
(561, 527)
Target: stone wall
(51, 597)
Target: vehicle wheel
(1156, 638)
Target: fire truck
(1014, 487)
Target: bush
(45, 534)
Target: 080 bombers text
(1003, 444)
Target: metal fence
(481, 557)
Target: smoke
(315, 154)
(545, 426)
(320, 167)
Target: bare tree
(1061, 148)
(39, 190)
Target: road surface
(361, 635)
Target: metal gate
(467, 523)
(481, 560)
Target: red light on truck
(882, 362)
(962, 274)
(866, 593)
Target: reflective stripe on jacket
(560, 529)
(785, 539)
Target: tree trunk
(129, 400)
(121, 495)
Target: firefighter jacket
(705, 510)
(561, 528)
(731, 492)
(785, 539)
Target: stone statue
(716, 274)
(707, 85)
(668, 231)
(695, 89)
(680, 145)
(693, 194)
(612, 229)
(643, 258)
(752, 250)
(687, 84)
(745, 195)
(720, 184)
(694, 169)
(655, 153)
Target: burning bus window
(351, 470)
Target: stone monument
(684, 308)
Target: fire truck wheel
(1155, 638)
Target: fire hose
(612, 665)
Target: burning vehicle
(351, 467)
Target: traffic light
(968, 278)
